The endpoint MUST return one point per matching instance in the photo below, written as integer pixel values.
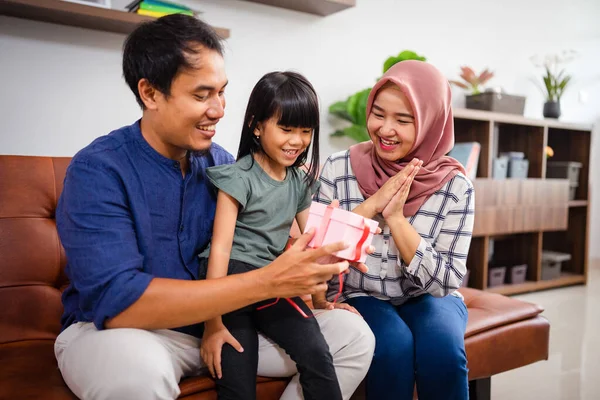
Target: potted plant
(354, 108)
(493, 99)
(472, 81)
(555, 79)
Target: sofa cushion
(489, 310)
(28, 371)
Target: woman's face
(391, 124)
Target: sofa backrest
(32, 259)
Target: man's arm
(170, 303)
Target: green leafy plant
(472, 81)
(555, 79)
(354, 108)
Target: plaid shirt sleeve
(438, 268)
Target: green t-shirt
(267, 208)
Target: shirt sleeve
(227, 178)
(97, 231)
(439, 268)
(306, 193)
(326, 192)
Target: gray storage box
(516, 274)
(517, 155)
(552, 264)
(518, 168)
(498, 102)
(564, 170)
(496, 276)
(572, 191)
(500, 170)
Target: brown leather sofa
(502, 333)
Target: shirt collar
(155, 155)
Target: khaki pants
(138, 364)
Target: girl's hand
(215, 336)
(327, 305)
(347, 307)
(395, 207)
(384, 195)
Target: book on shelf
(468, 155)
(158, 14)
(159, 8)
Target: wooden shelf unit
(316, 7)
(80, 15)
(515, 220)
(566, 279)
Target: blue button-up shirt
(126, 215)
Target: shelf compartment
(527, 139)
(572, 241)
(524, 248)
(573, 145)
(480, 132)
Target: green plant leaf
(361, 112)
(355, 132)
(402, 56)
(340, 110)
(564, 82)
(549, 87)
(357, 104)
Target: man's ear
(148, 94)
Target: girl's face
(391, 124)
(282, 144)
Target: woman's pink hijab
(429, 94)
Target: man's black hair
(159, 49)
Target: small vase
(551, 109)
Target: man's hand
(296, 272)
(215, 336)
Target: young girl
(259, 198)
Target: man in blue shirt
(135, 212)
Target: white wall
(61, 86)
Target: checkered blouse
(445, 223)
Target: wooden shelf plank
(316, 7)
(80, 15)
(478, 115)
(578, 203)
(566, 279)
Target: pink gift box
(335, 225)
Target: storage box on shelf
(552, 263)
(565, 170)
(527, 216)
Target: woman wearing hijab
(425, 205)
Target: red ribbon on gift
(361, 242)
(318, 241)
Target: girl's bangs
(296, 108)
